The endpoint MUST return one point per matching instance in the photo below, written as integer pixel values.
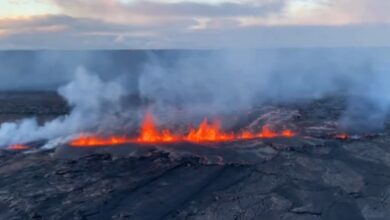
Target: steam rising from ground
(229, 81)
(89, 98)
(219, 82)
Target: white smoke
(219, 82)
(369, 106)
(91, 99)
(229, 81)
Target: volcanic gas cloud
(205, 132)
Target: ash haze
(257, 51)
(192, 24)
(195, 109)
(196, 83)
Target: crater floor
(302, 178)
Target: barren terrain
(312, 176)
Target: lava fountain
(205, 132)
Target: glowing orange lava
(91, 140)
(18, 147)
(205, 132)
(342, 136)
(149, 133)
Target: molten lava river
(205, 132)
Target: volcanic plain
(321, 173)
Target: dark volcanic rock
(309, 177)
(332, 181)
(43, 105)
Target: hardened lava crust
(316, 175)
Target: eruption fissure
(18, 147)
(342, 136)
(205, 132)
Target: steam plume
(190, 84)
(86, 94)
(229, 81)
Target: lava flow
(342, 136)
(18, 147)
(205, 132)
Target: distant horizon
(193, 24)
(46, 70)
(192, 49)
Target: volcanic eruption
(205, 132)
(226, 141)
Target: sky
(193, 24)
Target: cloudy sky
(199, 24)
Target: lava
(205, 132)
(92, 140)
(342, 136)
(268, 133)
(149, 133)
(18, 147)
(208, 133)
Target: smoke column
(181, 85)
(86, 94)
(234, 81)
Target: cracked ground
(303, 178)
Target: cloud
(261, 12)
(361, 11)
(138, 24)
(65, 32)
(335, 12)
(164, 9)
